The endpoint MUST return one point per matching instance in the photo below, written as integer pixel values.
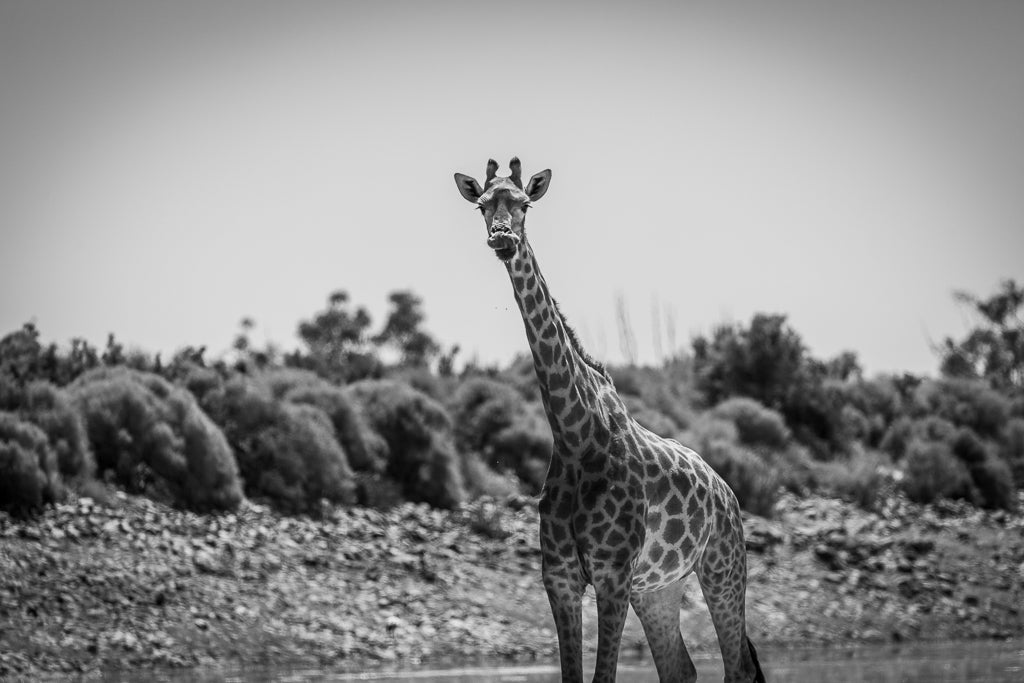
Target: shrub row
(294, 439)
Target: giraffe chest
(594, 520)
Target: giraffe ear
(469, 187)
(538, 185)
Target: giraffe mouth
(504, 243)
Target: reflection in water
(992, 662)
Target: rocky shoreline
(135, 585)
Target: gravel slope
(135, 585)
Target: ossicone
(492, 171)
(517, 172)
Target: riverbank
(135, 585)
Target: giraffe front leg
(612, 586)
(565, 593)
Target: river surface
(992, 662)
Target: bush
(151, 436)
(897, 437)
(931, 472)
(421, 453)
(791, 466)
(965, 403)
(521, 375)
(667, 391)
(650, 419)
(378, 491)
(286, 453)
(282, 381)
(756, 425)
(969, 447)
(480, 408)
(855, 424)
(867, 407)
(527, 445)
(510, 435)
(707, 429)
(934, 428)
(860, 478)
(50, 409)
(29, 477)
(1013, 449)
(755, 484)
(936, 441)
(198, 379)
(481, 480)
(366, 450)
(993, 482)
(422, 379)
(768, 362)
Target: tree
(24, 359)
(767, 361)
(336, 341)
(845, 367)
(246, 353)
(994, 349)
(20, 354)
(763, 361)
(402, 330)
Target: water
(992, 662)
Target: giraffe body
(622, 509)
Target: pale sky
(167, 168)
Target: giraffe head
(503, 203)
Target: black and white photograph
(289, 392)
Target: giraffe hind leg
(759, 675)
(722, 572)
(659, 614)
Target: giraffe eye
(482, 210)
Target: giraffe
(621, 509)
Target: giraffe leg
(612, 586)
(722, 572)
(566, 596)
(659, 613)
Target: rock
(919, 546)
(123, 639)
(206, 562)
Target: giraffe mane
(574, 341)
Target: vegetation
(50, 409)
(150, 437)
(373, 416)
(28, 466)
(417, 431)
(287, 452)
(509, 434)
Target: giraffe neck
(570, 387)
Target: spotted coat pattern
(622, 509)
